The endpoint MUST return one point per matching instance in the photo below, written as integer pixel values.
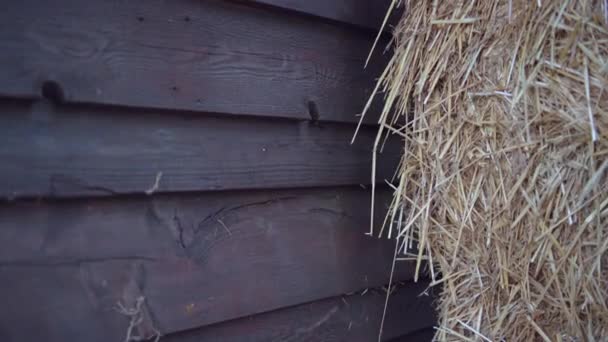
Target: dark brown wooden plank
(364, 13)
(350, 318)
(197, 259)
(212, 56)
(83, 151)
(424, 335)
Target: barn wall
(194, 154)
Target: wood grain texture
(204, 56)
(352, 318)
(197, 259)
(86, 151)
(364, 13)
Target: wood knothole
(313, 111)
(53, 92)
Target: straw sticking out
(589, 110)
(503, 185)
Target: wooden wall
(193, 153)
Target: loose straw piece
(136, 317)
(156, 184)
(588, 96)
(454, 21)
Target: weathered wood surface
(83, 151)
(423, 335)
(352, 318)
(204, 56)
(364, 13)
(197, 259)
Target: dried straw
(136, 318)
(503, 186)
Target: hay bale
(503, 113)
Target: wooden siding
(79, 150)
(425, 334)
(188, 255)
(354, 318)
(364, 13)
(211, 56)
(194, 153)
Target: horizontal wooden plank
(87, 151)
(210, 56)
(346, 318)
(423, 335)
(196, 259)
(364, 13)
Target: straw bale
(503, 185)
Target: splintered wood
(502, 188)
